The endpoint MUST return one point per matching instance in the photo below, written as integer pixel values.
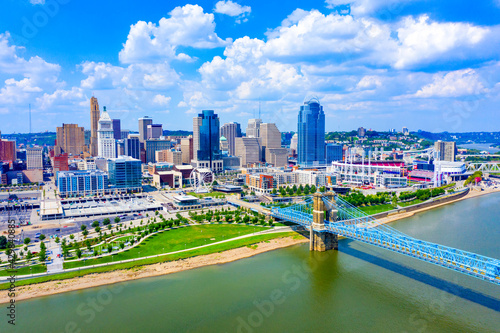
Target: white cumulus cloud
(453, 84)
(231, 8)
(186, 26)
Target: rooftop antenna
(259, 110)
(30, 116)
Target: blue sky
(431, 65)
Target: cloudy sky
(430, 65)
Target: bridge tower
(320, 239)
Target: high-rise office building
(154, 131)
(89, 182)
(132, 147)
(154, 145)
(117, 131)
(446, 151)
(143, 128)
(248, 150)
(124, 134)
(405, 131)
(253, 129)
(333, 153)
(106, 140)
(311, 134)
(7, 150)
(231, 131)
(70, 139)
(187, 149)
(361, 132)
(169, 156)
(94, 124)
(293, 144)
(206, 149)
(87, 134)
(270, 137)
(125, 173)
(34, 158)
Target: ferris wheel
(201, 179)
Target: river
(357, 289)
(480, 146)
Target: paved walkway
(273, 230)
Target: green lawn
(174, 240)
(26, 270)
(211, 194)
(370, 210)
(192, 253)
(409, 203)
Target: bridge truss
(486, 167)
(355, 224)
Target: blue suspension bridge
(328, 216)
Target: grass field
(188, 254)
(174, 240)
(26, 270)
(370, 210)
(409, 203)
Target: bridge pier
(321, 240)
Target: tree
(72, 236)
(255, 219)
(294, 188)
(95, 253)
(85, 232)
(109, 226)
(78, 253)
(42, 237)
(122, 245)
(57, 240)
(83, 227)
(95, 224)
(65, 251)
(29, 255)
(106, 221)
(117, 219)
(97, 229)
(87, 243)
(246, 219)
(322, 189)
(3, 242)
(42, 246)
(8, 251)
(110, 248)
(313, 189)
(27, 241)
(42, 256)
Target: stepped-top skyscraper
(94, 123)
(311, 130)
(206, 147)
(106, 138)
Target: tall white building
(105, 136)
(253, 129)
(34, 158)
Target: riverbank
(100, 279)
(403, 215)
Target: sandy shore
(99, 279)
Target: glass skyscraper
(311, 134)
(208, 140)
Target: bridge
(484, 166)
(327, 216)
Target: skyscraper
(253, 129)
(94, 123)
(154, 145)
(117, 132)
(34, 158)
(231, 131)
(154, 131)
(311, 134)
(446, 151)
(143, 128)
(248, 150)
(132, 147)
(206, 147)
(106, 141)
(7, 150)
(187, 149)
(70, 139)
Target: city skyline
(239, 58)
